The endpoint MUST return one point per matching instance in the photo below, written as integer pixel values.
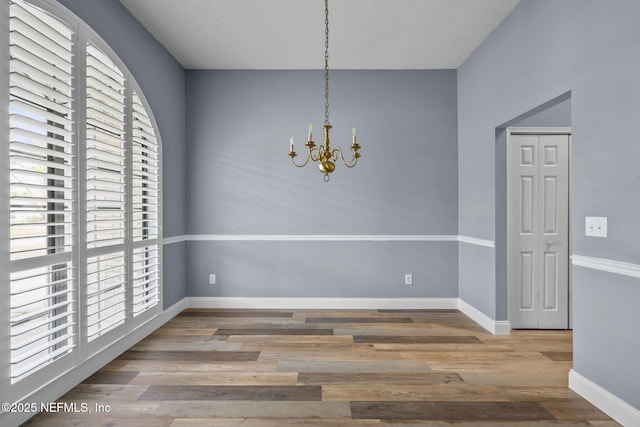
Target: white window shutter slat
(53, 30)
(46, 93)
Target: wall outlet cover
(595, 226)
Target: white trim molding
(608, 265)
(324, 303)
(496, 327)
(604, 400)
(477, 242)
(323, 237)
(174, 239)
(328, 238)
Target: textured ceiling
(289, 34)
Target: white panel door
(538, 230)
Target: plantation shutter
(81, 162)
(105, 194)
(42, 175)
(145, 189)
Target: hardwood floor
(268, 368)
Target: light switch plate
(596, 226)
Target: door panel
(527, 203)
(538, 230)
(527, 278)
(550, 205)
(550, 288)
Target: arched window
(81, 160)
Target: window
(41, 187)
(84, 196)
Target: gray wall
(162, 81)
(542, 50)
(611, 326)
(558, 115)
(323, 269)
(241, 181)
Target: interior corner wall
(162, 81)
(241, 184)
(542, 50)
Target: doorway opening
(533, 283)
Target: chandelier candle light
(324, 154)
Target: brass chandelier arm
(294, 162)
(319, 151)
(310, 156)
(351, 163)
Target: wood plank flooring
(268, 368)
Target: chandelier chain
(326, 62)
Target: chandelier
(324, 154)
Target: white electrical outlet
(212, 279)
(408, 279)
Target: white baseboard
(496, 327)
(65, 382)
(493, 326)
(606, 401)
(324, 303)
